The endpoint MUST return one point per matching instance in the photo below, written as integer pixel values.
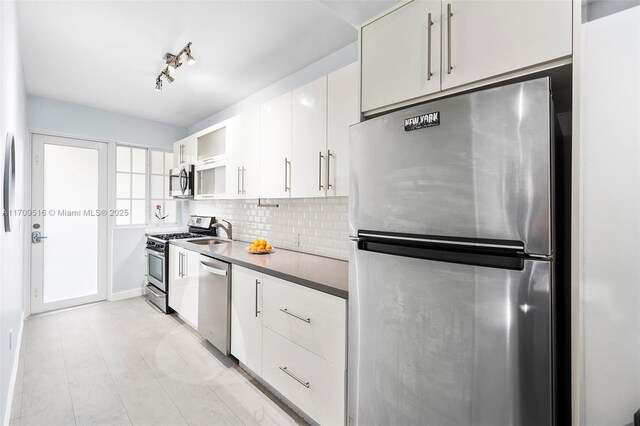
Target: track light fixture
(173, 62)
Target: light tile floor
(122, 363)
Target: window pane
(138, 212)
(156, 186)
(157, 165)
(123, 159)
(139, 161)
(138, 186)
(168, 162)
(123, 185)
(123, 218)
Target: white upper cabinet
(401, 55)
(275, 147)
(212, 145)
(309, 139)
(407, 57)
(489, 38)
(243, 138)
(342, 111)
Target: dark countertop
(317, 272)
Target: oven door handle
(155, 253)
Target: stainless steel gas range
(158, 263)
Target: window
(132, 177)
(161, 163)
(131, 185)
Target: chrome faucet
(228, 229)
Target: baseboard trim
(127, 294)
(14, 373)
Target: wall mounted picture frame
(9, 180)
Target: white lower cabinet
(314, 385)
(312, 319)
(184, 276)
(294, 338)
(246, 318)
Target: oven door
(181, 182)
(157, 271)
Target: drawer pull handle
(307, 320)
(303, 383)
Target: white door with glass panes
(69, 231)
(163, 206)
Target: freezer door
(438, 343)
(483, 172)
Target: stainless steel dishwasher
(214, 303)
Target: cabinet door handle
(257, 284)
(429, 24)
(329, 155)
(302, 382)
(285, 175)
(244, 176)
(320, 157)
(286, 311)
(449, 15)
(179, 264)
(239, 177)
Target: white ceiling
(107, 54)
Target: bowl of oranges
(260, 247)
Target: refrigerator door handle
(473, 244)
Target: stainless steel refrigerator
(452, 263)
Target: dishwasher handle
(213, 270)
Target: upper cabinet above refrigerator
(426, 49)
(401, 55)
(482, 39)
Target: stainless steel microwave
(181, 182)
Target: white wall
(326, 65)
(65, 118)
(13, 244)
(610, 146)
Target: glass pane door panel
(212, 181)
(70, 268)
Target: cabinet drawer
(308, 381)
(310, 318)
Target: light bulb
(190, 59)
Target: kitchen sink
(208, 241)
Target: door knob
(36, 237)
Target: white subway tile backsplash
(321, 222)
